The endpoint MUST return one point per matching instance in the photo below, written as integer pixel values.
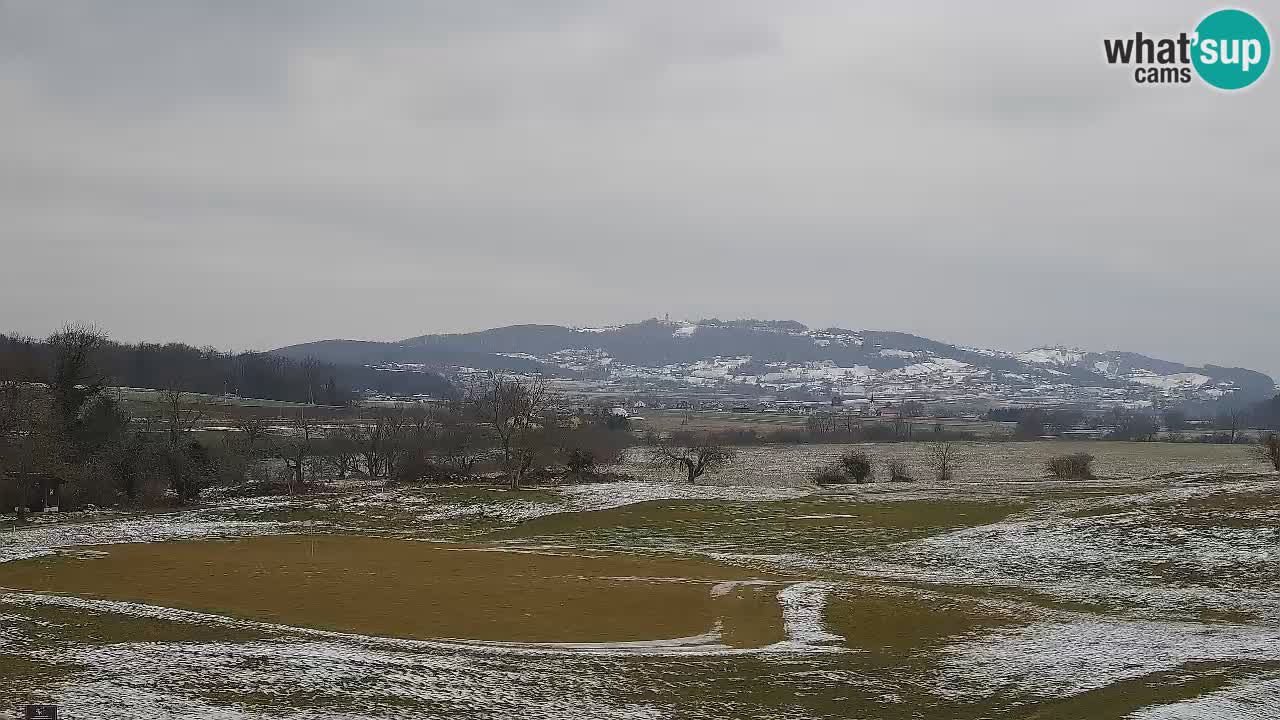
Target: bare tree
(417, 441)
(514, 409)
(462, 446)
(395, 442)
(946, 459)
(311, 377)
(368, 438)
(183, 459)
(252, 433)
(694, 455)
(179, 417)
(908, 413)
(75, 376)
(338, 453)
(1270, 449)
(295, 450)
(1230, 421)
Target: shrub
(580, 462)
(1076, 466)
(898, 471)
(857, 465)
(829, 475)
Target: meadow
(1150, 592)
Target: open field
(1150, 593)
(765, 422)
(984, 462)
(407, 589)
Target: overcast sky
(250, 175)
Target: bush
(829, 475)
(1076, 466)
(857, 465)
(898, 471)
(580, 462)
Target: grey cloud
(258, 174)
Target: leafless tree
(395, 442)
(462, 446)
(369, 438)
(1270, 449)
(75, 376)
(252, 433)
(311, 377)
(417, 440)
(1231, 421)
(183, 460)
(514, 409)
(338, 453)
(295, 451)
(908, 413)
(178, 416)
(946, 459)
(692, 454)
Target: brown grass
(401, 588)
(902, 623)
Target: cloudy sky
(250, 175)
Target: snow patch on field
(1253, 699)
(1059, 658)
(803, 608)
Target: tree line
(1228, 426)
(210, 371)
(68, 441)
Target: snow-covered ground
(1113, 581)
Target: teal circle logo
(1231, 49)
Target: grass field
(765, 422)
(1150, 593)
(408, 589)
(982, 463)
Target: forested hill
(207, 370)
(787, 356)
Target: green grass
(1118, 700)
(53, 624)
(22, 676)
(812, 526)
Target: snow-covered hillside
(787, 359)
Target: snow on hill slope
(788, 359)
